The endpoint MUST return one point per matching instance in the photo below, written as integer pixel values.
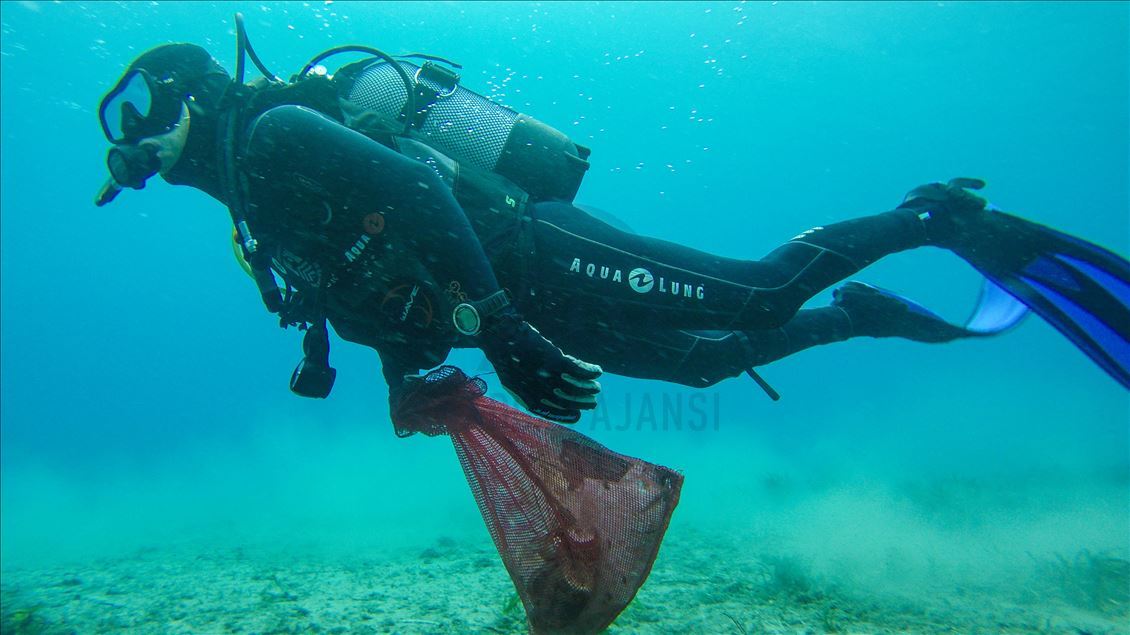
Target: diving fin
(996, 311)
(877, 312)
(1080, 288)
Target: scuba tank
(469, 127)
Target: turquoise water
(158, 476)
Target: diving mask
(139, 106)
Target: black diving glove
(949, 211)
(544, 380)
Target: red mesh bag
(578, 525)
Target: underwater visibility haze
(159, 477)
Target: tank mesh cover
(465, 125)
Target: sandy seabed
(703, 582)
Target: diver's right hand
(543, 380)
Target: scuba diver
(416, 216)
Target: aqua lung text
(639, 279)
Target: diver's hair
(193, 70)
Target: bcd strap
(445, 77)
(527, 249)
(426, 96)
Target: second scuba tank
(469, 127)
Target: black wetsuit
(652, 308)
(379, 239)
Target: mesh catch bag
(578, 525)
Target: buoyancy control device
(493, 157)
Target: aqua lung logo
(639, 280)
(358, 247)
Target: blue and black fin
(877, 312)
(1080, 288)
